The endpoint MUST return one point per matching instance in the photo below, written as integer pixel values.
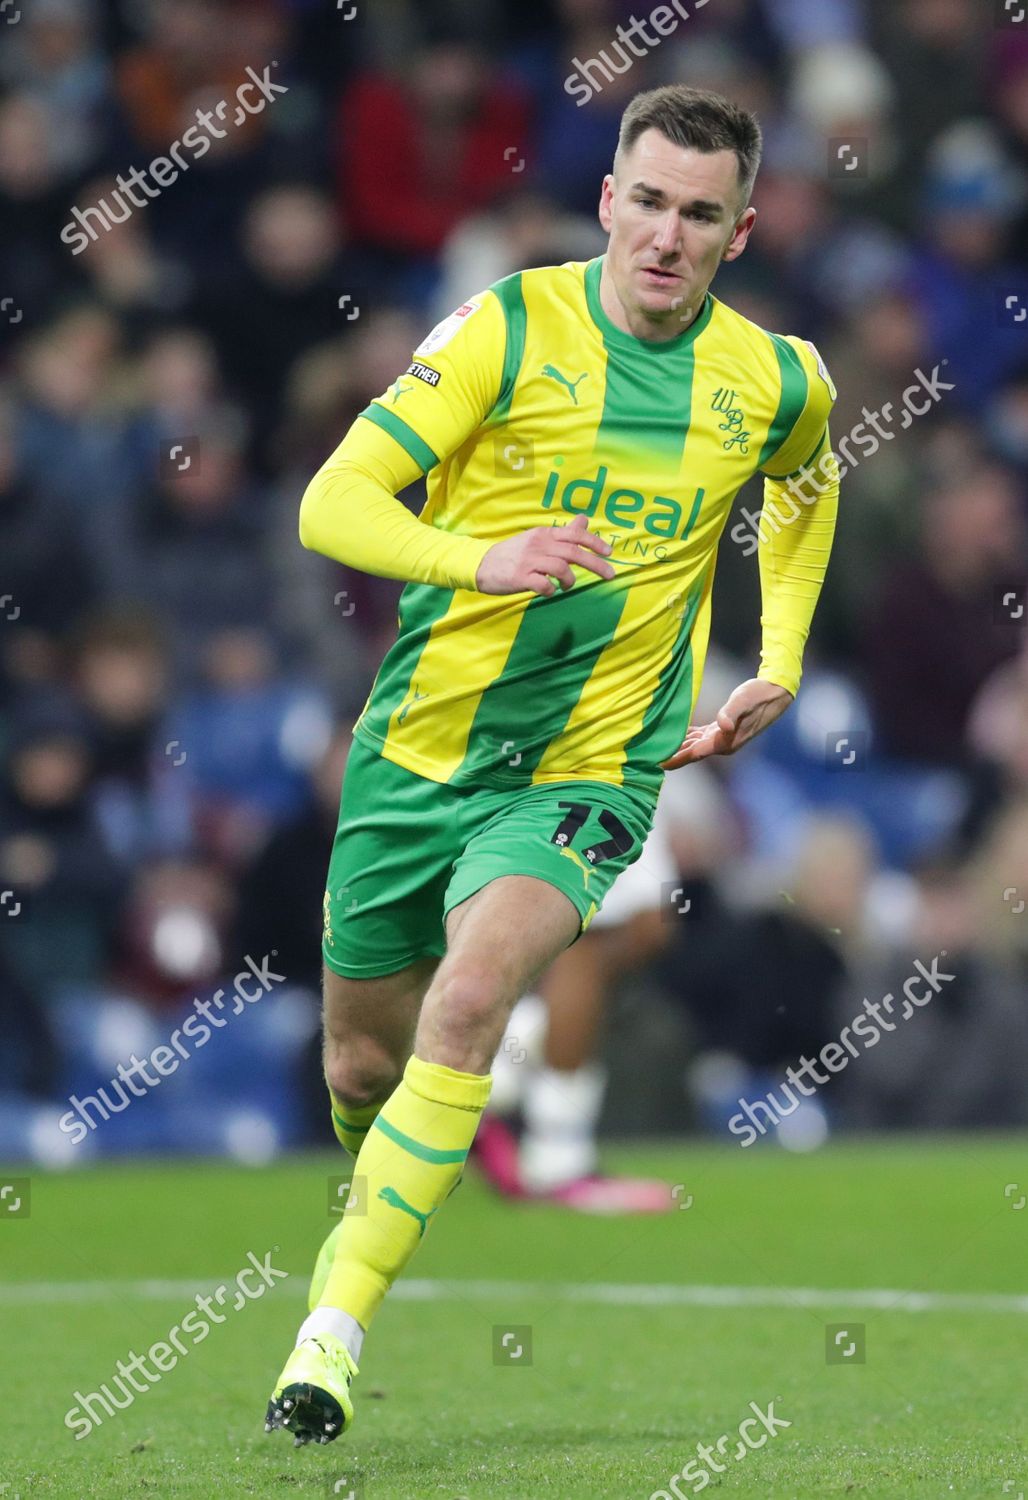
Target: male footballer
(584, 429)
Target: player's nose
(668, 234)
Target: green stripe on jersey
(667, 718)
(510, 294)
(405, 435)
(647, 400)
(559, 641)
(421, 605)
(791, 401)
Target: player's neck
(646, 330)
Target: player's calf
(369, 1031)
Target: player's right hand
(532, 560)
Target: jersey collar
(616, 337)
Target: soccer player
(584, 429)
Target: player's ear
(740, 234)
(606, 206)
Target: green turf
(616, 1397)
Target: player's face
(673, 216)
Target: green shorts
(408, 849)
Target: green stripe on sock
(416, 1148)
(345, 1125)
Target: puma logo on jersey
(571, 386)
(410, 704)
(392, 1197)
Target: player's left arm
(801, 498)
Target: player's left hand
(752, 707)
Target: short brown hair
(696, 118)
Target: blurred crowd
(178, 677)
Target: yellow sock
(410, 1161)
(351, 1124)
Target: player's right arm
(350, 511)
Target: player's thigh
(499, 938)
(391, 860)
(510, 930)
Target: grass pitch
(646, 1337)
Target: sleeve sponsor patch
(424, 372)
(443, 332)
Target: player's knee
(467, 999)
(360, 1074)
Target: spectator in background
(999, 875)
(29, 1059)
(173, 937)
(573, 150)
(998, 735)
(314, 598)
(281, 900)
(281, 890)
(53, 855)
(246, 739)
(936, 631)
(420, 152)
(192, 548)
(956, 1059)
(1007, 82)
(33, 209)
(188, 52)
(180, 394)
(760, 989)
(882, 343)
(120, 672)
(286, 298)
(521, 231)
(56, 59)
(124, 270)
(74, 416)
(192, 57)
(935, 50)
(972, 196)
(1006, 423)
(46, 577)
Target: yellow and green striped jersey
(524, 408)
